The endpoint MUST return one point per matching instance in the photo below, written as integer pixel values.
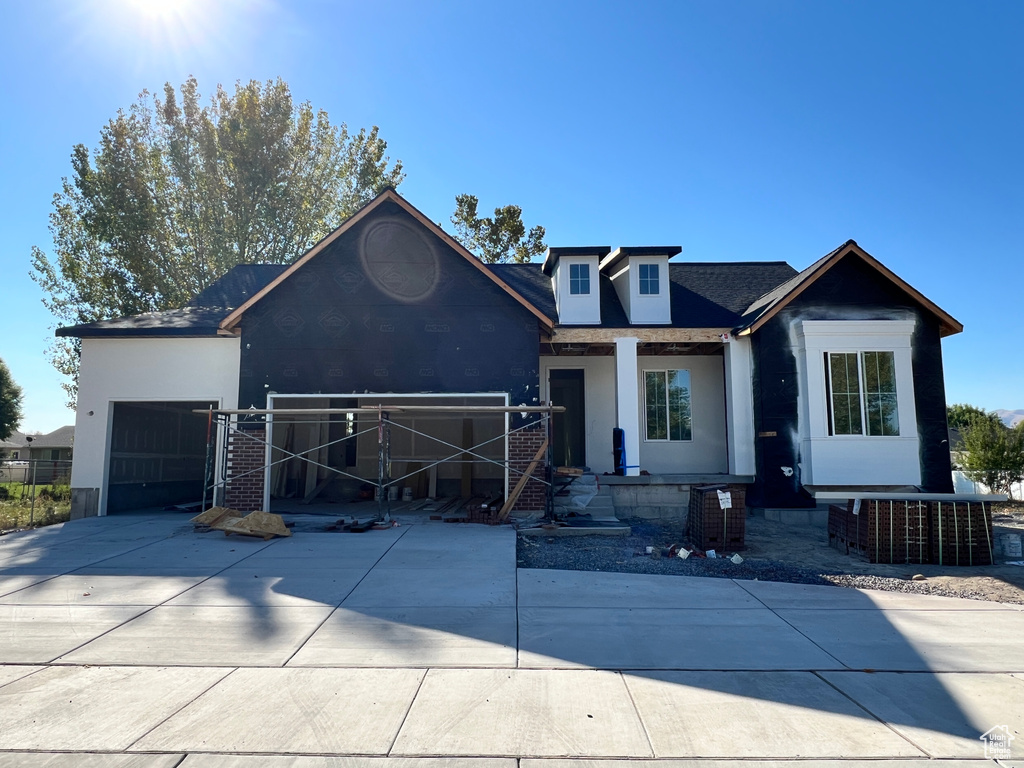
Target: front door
(570, 438)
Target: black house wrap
(388, 307)
(850, 290)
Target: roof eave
(948, 325)
(555, 253)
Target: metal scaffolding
(222, 424)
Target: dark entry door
(570, 437)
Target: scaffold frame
(223, 423)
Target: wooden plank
(579, 335)
(467, 467)
(514, 496)
(319, 488)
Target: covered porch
(652, 411)
(681, 397)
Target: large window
(667, 404)
(579, 279)
(862, 393)
(649, 280)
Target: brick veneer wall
(245, 454)
(522, 447)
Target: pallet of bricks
(718, 517)
(844, 529)
(891, 530)
(911, 531)
(961, 533)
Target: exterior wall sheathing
(851, 290)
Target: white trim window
(579, 279)
(648, 280)
(667, 405)
(861, 393)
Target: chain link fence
(34, 491)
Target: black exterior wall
(388, 307)
(851, 290)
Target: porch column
(627, 400)
(739, 405)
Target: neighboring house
(52, 453)
(53, 446)
(10, 448)
(740, 371)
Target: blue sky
(739, 130)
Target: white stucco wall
(855, 459)
(599, 388)
(707, 452)
(643, 309)
(577, 309)
(739, 403)
(114, 370)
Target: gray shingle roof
(764, 303)
(704, 295)
(201, 317)
(187, 321)
(62, 437)
(238, 285)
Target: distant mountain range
(1010, 418)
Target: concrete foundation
(813, 516)
(659, 497)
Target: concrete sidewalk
(136, 642)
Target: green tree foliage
(179, 191)
(10, 402)
(993, 453)
(502, 238)
(959, 415)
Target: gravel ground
(811, 561)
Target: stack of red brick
(487, 515)
(910, 531)
(247, 454)
(962, 533)
(712, 527)
(522, 447)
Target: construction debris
(266, 525)
(213, 516)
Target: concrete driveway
(133, 641)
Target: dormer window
(641, 279)
(649, 280)
(575, 282)
(579, 279)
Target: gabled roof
(770, 304)
(388, 195)
(62, 437)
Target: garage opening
(157, 454)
